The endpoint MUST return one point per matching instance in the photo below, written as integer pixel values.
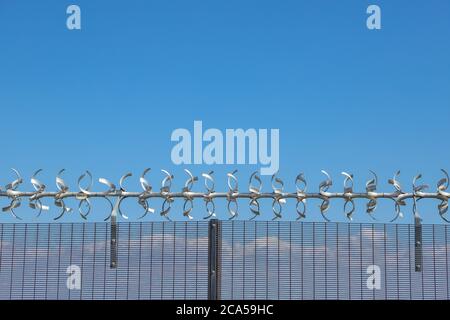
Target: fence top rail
(225, 223)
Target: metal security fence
(316, 260)
(224, 260)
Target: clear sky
(107, 97)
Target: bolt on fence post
(213, 259)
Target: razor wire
(84, 195)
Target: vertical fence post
(113, 243)
(213, 259)
(113, 252)
(418, 244)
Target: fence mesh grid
(257, 260)
(156, 260)
(292, 260)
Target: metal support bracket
(213, 259)
(113, 244)
(418, 243)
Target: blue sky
(107, 97)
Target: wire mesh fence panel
(314, 260)
(156, 260)
(256, 260)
